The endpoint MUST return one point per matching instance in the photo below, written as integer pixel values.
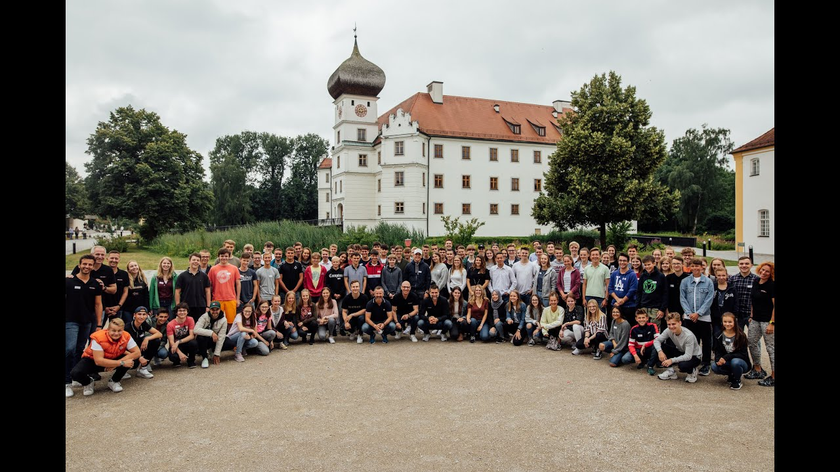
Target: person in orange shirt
(113, 349)
(225, 284)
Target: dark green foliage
(602, 171)
(75, 198)
(142, 170)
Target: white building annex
(755, 193)
(433, 155)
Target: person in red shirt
(225, 284)
(113, 349)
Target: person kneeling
(379, 316)
(678, 346)
(211, 330)
(731, 353)
(111, 349)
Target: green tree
(268, 205)
(75, 198)
(300, 193)
(460, 232)
(142, 170)
(696, 165)
(602, 170)
(231, 193)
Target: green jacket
(154, 302)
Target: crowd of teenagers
(660, 311)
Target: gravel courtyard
(424, 406)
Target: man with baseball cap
(418, 274)
(211, 330)
(145, 335)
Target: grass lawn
(148, 260)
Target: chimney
(559, 105)
(496, 107)
(435, 89)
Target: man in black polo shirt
(112, 303)
(407, 306)
(379, 316)
(193, 287)
(101, 272)
(434, 314)
(82, 314)
(291, 275)
(353, 311)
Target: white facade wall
(324, 194)
(480, 168)
(759, 194)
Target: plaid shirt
(743, 289)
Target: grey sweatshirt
(620, 333)
(685, 342)
(203, 327)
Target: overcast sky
(212, 68)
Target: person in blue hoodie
(697, 292)
(622, 289)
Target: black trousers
(703, 332)
(86, 366)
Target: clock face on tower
(361, 110)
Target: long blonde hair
(598, 314)
(160, 274)
(140, 274)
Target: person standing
(373, 270)
(726, 300)
(230, 245)
(696, 296)
(204, 265)
(622, 289)
(109, 349)
(525, 272)
(391, 278)
(193, 288)
(268, 279)
(418, 274)
(568, 281)
(763, 323)
(291, 273)
(652, 292)
(355, 272)
(314, 277)
(225, 285)
(502, 278)
(138, 288)
(743, 283)
(674, 279)
(82, 314)
(162, 286)
(249, 282)
(112, 304)
(596, 279)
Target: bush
(119, 243)
(718, 222)
(617, 234)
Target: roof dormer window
(514, 125)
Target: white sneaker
(238, 357)
(426, 338)
(88, 390)
(359, 339)
(442, 337)
(144, 373)
(669, 374)
(68, 390)
(692, 376)
(407, 330)
(398, 335)
(576, 352)
(149, 366)
(205, 363)
(75, 384)
(420, 331)
(115, 386)
(413, 338)
(126, 376)
(331, 340)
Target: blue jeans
(427, 327)
(536, 334)
(75, 338)
(241, 343)
(390, 328)
(734, 368)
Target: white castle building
(433, 155)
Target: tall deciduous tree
(301, 191)
(75, 199)
(143, 170)
(696, 165)
(602, 171)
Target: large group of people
(647, 311)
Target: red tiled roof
(475, 118)
(326, 163)
(765, 140)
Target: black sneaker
(705, 370)
(640, 366)
(95, 376)
(736, 385)
(597, 354)
(190, 364)
(755, 374)
(767, 382)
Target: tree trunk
(696, 214)
(602, 228)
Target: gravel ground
(426, 406)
